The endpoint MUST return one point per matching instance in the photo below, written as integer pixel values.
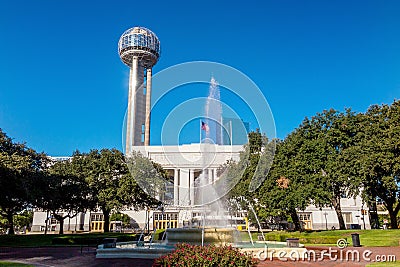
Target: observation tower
(139, 49)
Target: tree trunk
(10, 220)
(393, 220)
(61, 220)
(338, 209)
(295, 219)
(47, 222)
(106, 214)
(373, 215)
(392, 216)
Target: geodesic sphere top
(139, 42)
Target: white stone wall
(326, 218)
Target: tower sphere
(139, 42)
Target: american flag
(204, 126)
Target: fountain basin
(217, 236)
(132, 250)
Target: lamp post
(362, 214)
(326, 220)
(148, 220)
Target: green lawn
(384, 264)
(368, 238)
(14, 264)
(38, 240)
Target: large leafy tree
(19, 165)
(248, 174)
(111, 184)
(64, 193)
(284, 190)
(249, 171)
(146, 184)
(379, 155)
(315, 157)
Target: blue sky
(63, 86)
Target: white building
(355, 215)
(185, 163)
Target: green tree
(325, 158)
(246, 175)
(256, 159)
(146, 183)
(64, 193)
(316, 161)
(125, 219)
(19, 165)
(379, 156)
(23, 219)
(284, 190)
(111, 184)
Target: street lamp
(326, 220)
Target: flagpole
(230, 129)
(200, 132)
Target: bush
(187, 255)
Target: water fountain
(212, 226)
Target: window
(96, 217)
(305, 217)
(165, 220)
(348, 219)
(53, 220)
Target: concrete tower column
(176, 187)
(148, 108)
(136, 114)
(191, 186)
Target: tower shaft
(136, 106)
(148, 107)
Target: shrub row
(187, 255)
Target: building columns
(210, 176)
(191, 186)
(176, 187)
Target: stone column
(176, 187)
(210, 176)
(184, 187)
(191, 186)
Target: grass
(384, 264)
(38, 240)
(368, 238)
(14, 264)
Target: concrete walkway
(73, 257)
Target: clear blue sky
(63, 86)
